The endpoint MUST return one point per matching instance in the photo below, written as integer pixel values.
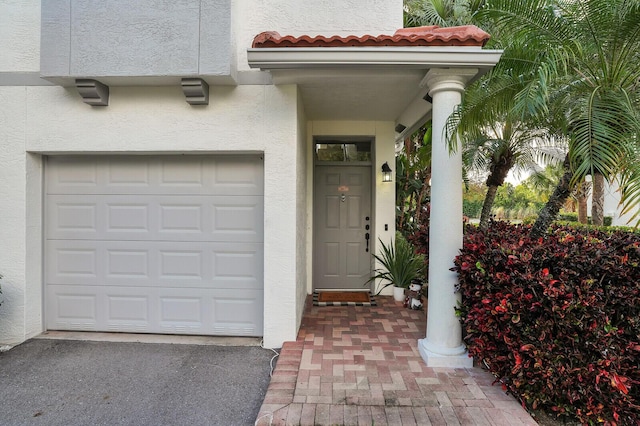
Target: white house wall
(20, 36)
(53, 120)
(384, 193)
(71, 49)
(301, 208)
(12, 217)
(612, 206)
(320, 17)
(38, 118)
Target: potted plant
(399, 266)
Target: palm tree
(570, 68)
(444, 13)
(496, 134)
(498, 150)
(498, 144)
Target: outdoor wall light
(386, 172)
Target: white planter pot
(398, 294)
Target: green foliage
(472, 199)
(519, 198)
(568, 217)
(511, 202)
(569, 67)
(413, 173)
(444, 13)
(556, 320)
(400, 264)
(471, 208)
(607, 229)
(573, 217)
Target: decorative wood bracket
(196, 90)
(93, 92)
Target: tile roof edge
(468, 35)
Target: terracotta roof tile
(468, 35)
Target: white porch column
(443, 345)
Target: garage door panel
(72, 174)
(128, 263)
(237, 313)
(66, 216)
(71, 308)
(114, 309)
(143, 263)
(155, 244)
(152, 218)
(186, 175)
(76, 263)
(238, 266)
(229, 312)
(241, 176)
(136, 173)
(237, 219)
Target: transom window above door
(342, 151)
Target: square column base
(460, 360)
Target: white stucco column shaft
(443, 345)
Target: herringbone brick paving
(358, 365)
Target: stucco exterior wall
(383, 193)
(39, 119)
(12, 214)
(612, 206)
(53, 120)
(304, 175)
(141, 38)
(73, 46)
(20, 35)
(319, 17)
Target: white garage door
(159, 244)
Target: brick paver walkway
(361, 366)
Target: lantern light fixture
(386, 172)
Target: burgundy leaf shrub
(420, 241)
(556, 320)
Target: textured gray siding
(105, 38)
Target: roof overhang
(383, 83)
(353, 57)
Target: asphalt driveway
(65, 382)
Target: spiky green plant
(399, 264)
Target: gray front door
(342, 220)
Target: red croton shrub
(556, 320)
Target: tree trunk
(423, 194)
(597, 200)
(549, 212)
(582, 208)
(486, 207)
(581, 196)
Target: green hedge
(573, 217)
(556, 320)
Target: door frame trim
(370, 165)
